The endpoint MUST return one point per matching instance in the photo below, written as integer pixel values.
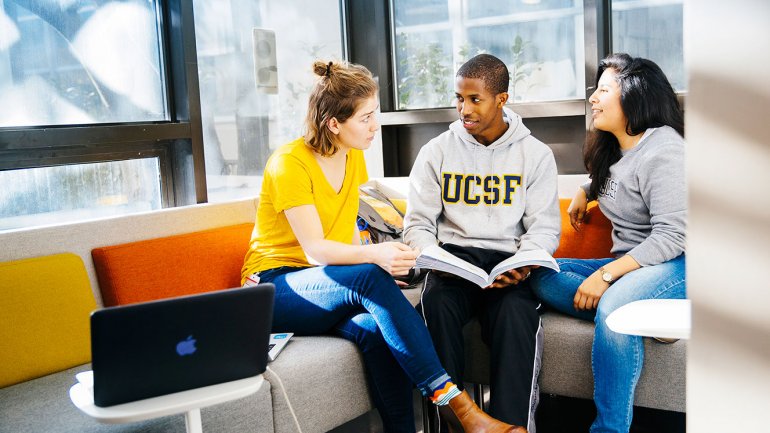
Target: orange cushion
(594, 240)
(172, 266)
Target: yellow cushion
(45, 303)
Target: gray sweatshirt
(645, 198)
(502, 196)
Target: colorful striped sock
(444, 392)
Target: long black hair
(647, 100)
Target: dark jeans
(363, 304)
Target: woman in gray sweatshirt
(635, 158)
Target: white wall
(727, 52)
(373, 156)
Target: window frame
(178, 142)
(104, 152)
(368, 30)
(458, 27)
(406, 130)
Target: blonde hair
(340, 89)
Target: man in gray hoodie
(484, 190)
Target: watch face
(606, 277)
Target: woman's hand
(577, 209)
(589, 292)
(396, 258)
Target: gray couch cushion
(566, 368)
(567, 356)
(324, 380)
(663, 383)
(43, 405)
(413, 294)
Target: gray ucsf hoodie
(502, 196)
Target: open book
(434, 257)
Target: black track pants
(512, 329)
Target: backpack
(379, 220)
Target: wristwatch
(606, 276)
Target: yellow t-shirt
(293, 178)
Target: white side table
(661, 318)
(190, 402)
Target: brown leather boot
(472, 419)
(450, 419)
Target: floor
(555, 414)
(370, 422)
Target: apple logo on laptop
(186, 347)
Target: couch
(52, 277)
(48, 287)
(566, 363)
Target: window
(87, 84)
(540, 41)
(48, 195)
(95, 113)
(81, 62)
(651, 29)
(251, 104)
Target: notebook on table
(277, 343)
(161, 347)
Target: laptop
(161, 347)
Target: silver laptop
(171, 345)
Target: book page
(526, 258)
(435, 257)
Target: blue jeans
(363, 304)
(617, 359)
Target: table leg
(192, 420)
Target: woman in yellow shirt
(306, 243)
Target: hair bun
(323, 69)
